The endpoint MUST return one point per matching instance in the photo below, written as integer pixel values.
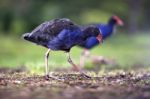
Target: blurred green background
(129, 47)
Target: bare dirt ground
(118, 85)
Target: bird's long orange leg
(76, 68)
(46, 63)
(84, 55)
(47, 75)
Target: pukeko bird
(106, 31)
(61, 34)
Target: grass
(126, 50)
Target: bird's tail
(26, 36)
(29, 37)
(35, 39)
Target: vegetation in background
(19, 16)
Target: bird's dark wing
(53, 27)
(47, 31)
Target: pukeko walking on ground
(61, 34)
(106, 31)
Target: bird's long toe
(85, 75)
(50, 77)
(47, 77)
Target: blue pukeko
(106, 31)
(60, 34)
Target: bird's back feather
(47, 31)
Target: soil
(111, 85)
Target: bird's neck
(109, 29)
(111, 23)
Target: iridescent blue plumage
(106, 30)
(66, 39)
(90, 43)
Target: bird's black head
(92, 31)
(115, 20)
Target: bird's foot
(48, 77)
(85, 75)
(76, 69)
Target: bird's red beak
(99, 38)
(119, 21)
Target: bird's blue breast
(91, 42)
